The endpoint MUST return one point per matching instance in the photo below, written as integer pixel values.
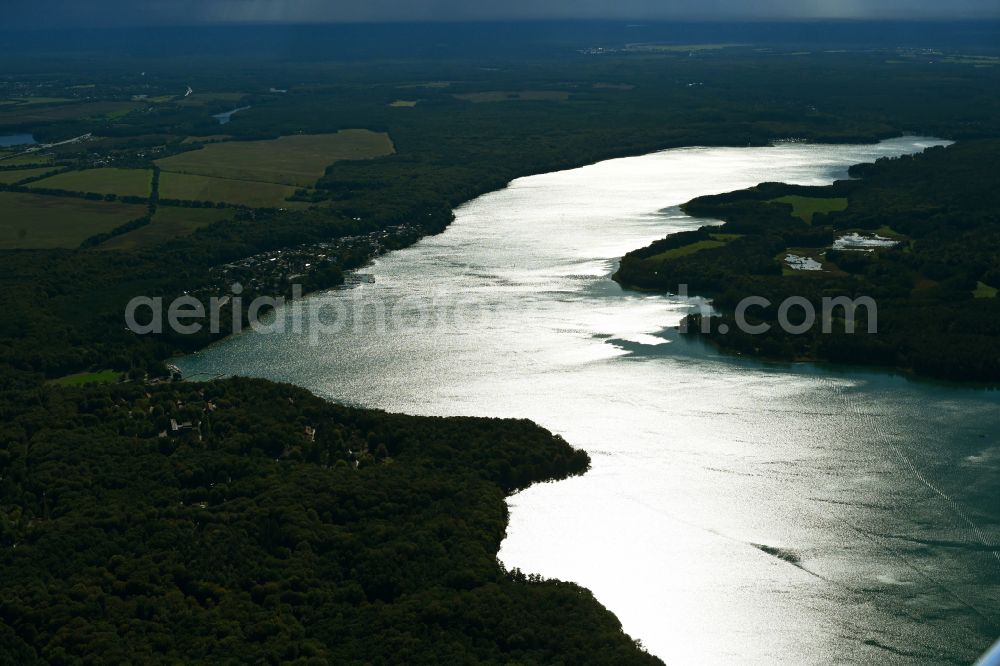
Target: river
(227, 116)
(737, 512)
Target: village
(313, 266)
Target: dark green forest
(277, 527)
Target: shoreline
(411, 239)
(556, 576)
(761, 225)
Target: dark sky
(62, 13)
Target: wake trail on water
(874, 425)
(954, 505)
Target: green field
(290, 160)
(16, 176)
(712, 242)
(806, 207)
(43, 100)
(32, 221)
(31, 159)
(36, 114)
(242, 192)
(123, 182)
(168, 223)
(685, 250)
(83, 378)
(515, 96)
(888, 232)
(211, 138)
(984, 290)
(403, 104)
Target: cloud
(172, 12)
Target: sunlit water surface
(880, 491)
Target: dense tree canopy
(278, 528)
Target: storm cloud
(42, 13)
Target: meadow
(32, 221)
(85, 378)
(17, 175)
(685, 250)
(805, 208)
(984, 290)
(123, 182)
(289, 160)
(16, 159)
(34, 114)
(192, 187)
(168, 223)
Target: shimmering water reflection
(736, 512)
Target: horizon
(490, 38)
(623, 22)
(63, 14)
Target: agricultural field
(38, 114)
(168, 223)
(123, 182)
(515, 96)
(403, 103)
(193, 187)
(289, 160)
(32, 221)
(805, 208)
(24, 101)
(17, 175)
(212, 138)
(31, 159)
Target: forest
(933, 281)
(148, 520)
(276, 528)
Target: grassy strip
(984, 290)
(805, 208)
(83, 378)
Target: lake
(737, 512)
(16, 140)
